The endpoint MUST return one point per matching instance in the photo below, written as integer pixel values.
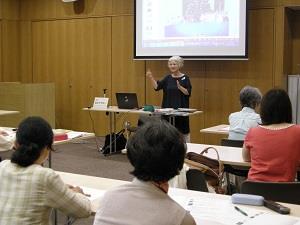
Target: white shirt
(241, 122)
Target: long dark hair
(33, 135)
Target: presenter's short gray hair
(178, 60)
(250, 97)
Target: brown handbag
(212, 169)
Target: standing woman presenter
(177, 90)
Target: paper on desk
(75, 134)
(273, 219)
(164, 110)
(218, 212)
(94, 193)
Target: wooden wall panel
(10, 51)
(122, 7)
(9, 9)
(1, 78)
(127, 75)
(99, 8)
(226, 78)
(56, 9)
(290, 2)
(25, 52)
(83, 8)
(279, 20)
(287, 45)
(258, 4)
(37, 9)
(296, 43)
(75, 55)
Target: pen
(241, 211)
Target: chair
(230, 169)
(237, 171)
(288, 192)
(195, 180)
(232, 143)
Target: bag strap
(120, 132)
(221, 166)
(200, 166)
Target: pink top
(275, 154)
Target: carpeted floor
(83, 158)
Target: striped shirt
(27, 195)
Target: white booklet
(222, 212)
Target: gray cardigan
(140, 203)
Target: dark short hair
(156, 151)
(33, 135)
(250, 97)
(276, 107)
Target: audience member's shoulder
(4, 163)
(233, 114)
(47, 173)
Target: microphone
(104, 92)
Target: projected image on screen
(204, 28)
(200, 18)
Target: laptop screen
(127, 100)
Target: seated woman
(240, 122)
(273, 147)
(28, 191)
(157, 152)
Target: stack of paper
(222, 212)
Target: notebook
(127, 100)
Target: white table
(12, 133)
(106, 184)
(113, 110)
(8, 112)
(219, 129)
(228, 155)
(99, 183)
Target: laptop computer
(127, 100)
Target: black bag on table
(118, 139)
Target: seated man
(156, 152)
(240, 122)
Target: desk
(7, 112)
(82, 136)
(106, 184)
(219, 129)
(12, 135)
(91, 182)
(228, 155)
(113, 110)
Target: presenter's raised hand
(149, 74)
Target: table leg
(110, 130)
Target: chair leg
(228, 184)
